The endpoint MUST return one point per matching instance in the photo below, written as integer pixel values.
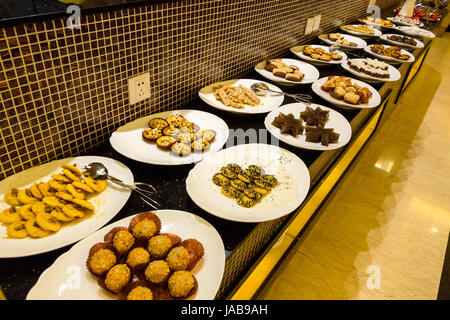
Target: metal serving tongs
(261, 89)
(97, 170)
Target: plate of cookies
(56, 204)
(319, 55)
(171, 138)
(288, 72)
(160, 255)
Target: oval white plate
(336, 121)
(128, 140)
(416, 32)
(267, 104)
(373, 102)
(55, 282)
(395, 75)
(290, 170)
(361, 34)
(311, 73)
(411, 59)
(298, 51)
(360, 42)
(384, 37)
(402, 23)
(107, 205)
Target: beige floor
(384, 232)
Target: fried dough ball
(158, 246)
(123, 241)
(181, 283)
(117, 277)
(140, 293)
(157, 271)
(102, 261)
(145, 229)
(178, 258)
(138, 256)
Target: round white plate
(395, 75)
(416, 32)
(267, 104)
(107, 205)
(128, 140)
(336, 121)
(377, 25)
(402, 23)
(291, 172)
(68, 278)
(384, 37)
(298, 51)
(411, 59)
(311, 73)
(377, 32)
(373, 102)
(360, 42)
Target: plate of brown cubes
(309, 126)
(288, 72)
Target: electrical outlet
(309, 26)
(317, 20)
(139, 88)
(372, 2)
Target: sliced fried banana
(44, 188)
(40, 207)
(11, 198)
(10, 215)
(73, 211)
(47, 222)
(26, 197)
(59, 215)
(76, 193)
(56, 185)
(34, 230)
(69, 174)
(82, 186)
(64, 195)
(72, 168)
(17, 230)
(54, 202)
(26, 212)
(83, 203)
(34, 189)
(61, 178)
(96, 185)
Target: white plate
(298, 51)
(336, 121)
(68, 278)
(377, 25)
(128, 140)
(416, 32)
(395, 75)
(267, 104)
(359, 42)
(402, 23)
(373, 102)
(291, 172)
(411, 59)
(377, 32)
(384, 37)
(107, 205)
(311, 73)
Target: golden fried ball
(158, 246)
(102, 261)
(178, 258)
(181, 283)
(144, 229)
(140, 293)
(138, 256)
(123, 241)
(118, 277)
(157, 271)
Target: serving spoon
(261, 89)
(97, 170)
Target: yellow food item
(96, 185)
(47, 222)
(140, 293)
(10, 215)
(59, 215)
(17, 230)
(34, 230)
(56, 185)
(69, 174)
(11, 198)
(82, 186)
(26, 197)
(79, 194)
(83, 203)
(72, 211)
(26, 213)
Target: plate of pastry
(378, 22)
(55, 204)
(361, 30)
(416, 32)
(405, 21)
(390, 53)
(236, 96)
(171, 138)
(319, 55)
(345, 41)
(402, 41)
(347, 92)
(160, 255)
(372, 70)
(288, 72)
(249, 183)
(312, 127)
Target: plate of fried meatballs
(171, 138)
(347, 92)
(288, 71)
(161, 255)
(319, 55)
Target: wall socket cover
(309, 26)
(139, 88)
(317, 20)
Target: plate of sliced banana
(55, 204)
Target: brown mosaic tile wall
(64, 91)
